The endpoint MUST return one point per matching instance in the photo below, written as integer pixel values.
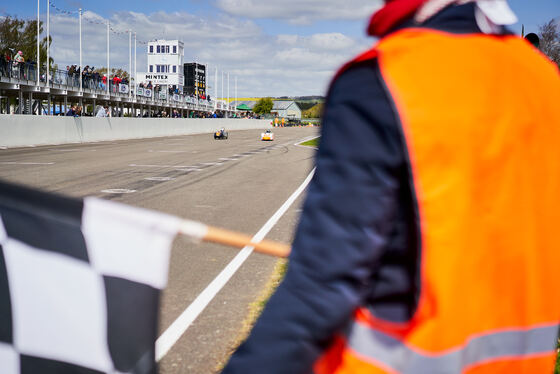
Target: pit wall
(24, 130)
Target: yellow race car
(268, 136)
(221, 134)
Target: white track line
(174, 332)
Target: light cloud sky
(274, 48)
(298, 11)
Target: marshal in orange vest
(480, 116)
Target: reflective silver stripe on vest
(392, 353)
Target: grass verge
(312, 142)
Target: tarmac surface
(236, 184)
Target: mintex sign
(158, 78)
(155, 78)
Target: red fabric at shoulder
(392, 14)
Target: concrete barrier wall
(22, 130)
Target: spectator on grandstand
(18, 63)
(71, 112)
(102, 112)
(116, 81)
(4, 65)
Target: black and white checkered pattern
(79, 283)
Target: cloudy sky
(273, 47)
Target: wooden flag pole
(211, 234)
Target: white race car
(268, 136)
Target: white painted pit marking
(159, 179)
(73, 150)
(152, 151)
(163, 166)
(118, 191)
(26, 163)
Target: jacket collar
(393, 14)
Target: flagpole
(135, 68)
(202, 232)
(228, 94)
(129, 61)
(216, 90)
(38, 48)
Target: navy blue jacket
(357, 241)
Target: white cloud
(332, 41)
(274, 65)
(300, 12)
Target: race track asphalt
(236, 184)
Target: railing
(18, 70)
(93, 82)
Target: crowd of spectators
(13, 64)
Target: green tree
(263, 106)
(21, 35)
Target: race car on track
(268, 135)
(221, 134)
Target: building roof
(278, 104)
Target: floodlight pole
(38, 48)
(108, 61)
(81, 67)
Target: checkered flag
(79, 283)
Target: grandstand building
(165, 64)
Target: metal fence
(26, 73)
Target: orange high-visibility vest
(480, 116)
